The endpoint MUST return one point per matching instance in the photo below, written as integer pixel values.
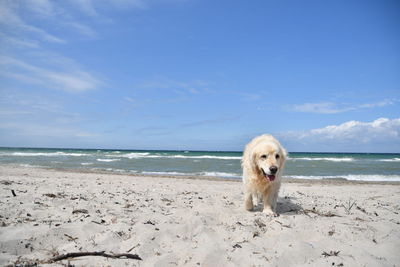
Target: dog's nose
(273, 169)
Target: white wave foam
(352, 177)
(388, 178)
(165, 173)
(111, 170)
(44, 154)
(220, 174)
(148, 155)
(324, 159)
(107, 160)
(30, 166)
(391, 160)
(208, 157)
(311, 177)
(86, 163)
(213, 174)
(130, 155)
(118, 154)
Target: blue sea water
(349, 166)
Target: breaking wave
(352, 177)
(324, 159)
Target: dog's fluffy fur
(263, 162)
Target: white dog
(263, 162)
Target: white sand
(176, 222)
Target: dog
(263, 162)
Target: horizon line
(189, 150)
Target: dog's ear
(283, 156)
(254, 164)
(247, 158)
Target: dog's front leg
(268, 208)
(248, 201)
(269, 201)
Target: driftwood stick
(13, 193)
(133, 247)
(70, 237)
(95, 253)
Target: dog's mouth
(269, 177)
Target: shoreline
(201, 177)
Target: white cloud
(82, 29)
(14, 26)
(357, 131)
(92, 7)
(42, 7)
(85, 6)
(17, 18)
(71, 78)
(386, 102)
(380, 135)
(17, 42)
(334, 108)
(322, 108)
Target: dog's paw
(248, 204)
(270, 212)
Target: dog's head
(267, 158)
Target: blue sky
(201, 75)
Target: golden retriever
(262, 162)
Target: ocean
(349, 166)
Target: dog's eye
(277, 156)
(264, 156)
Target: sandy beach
(191, 222)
